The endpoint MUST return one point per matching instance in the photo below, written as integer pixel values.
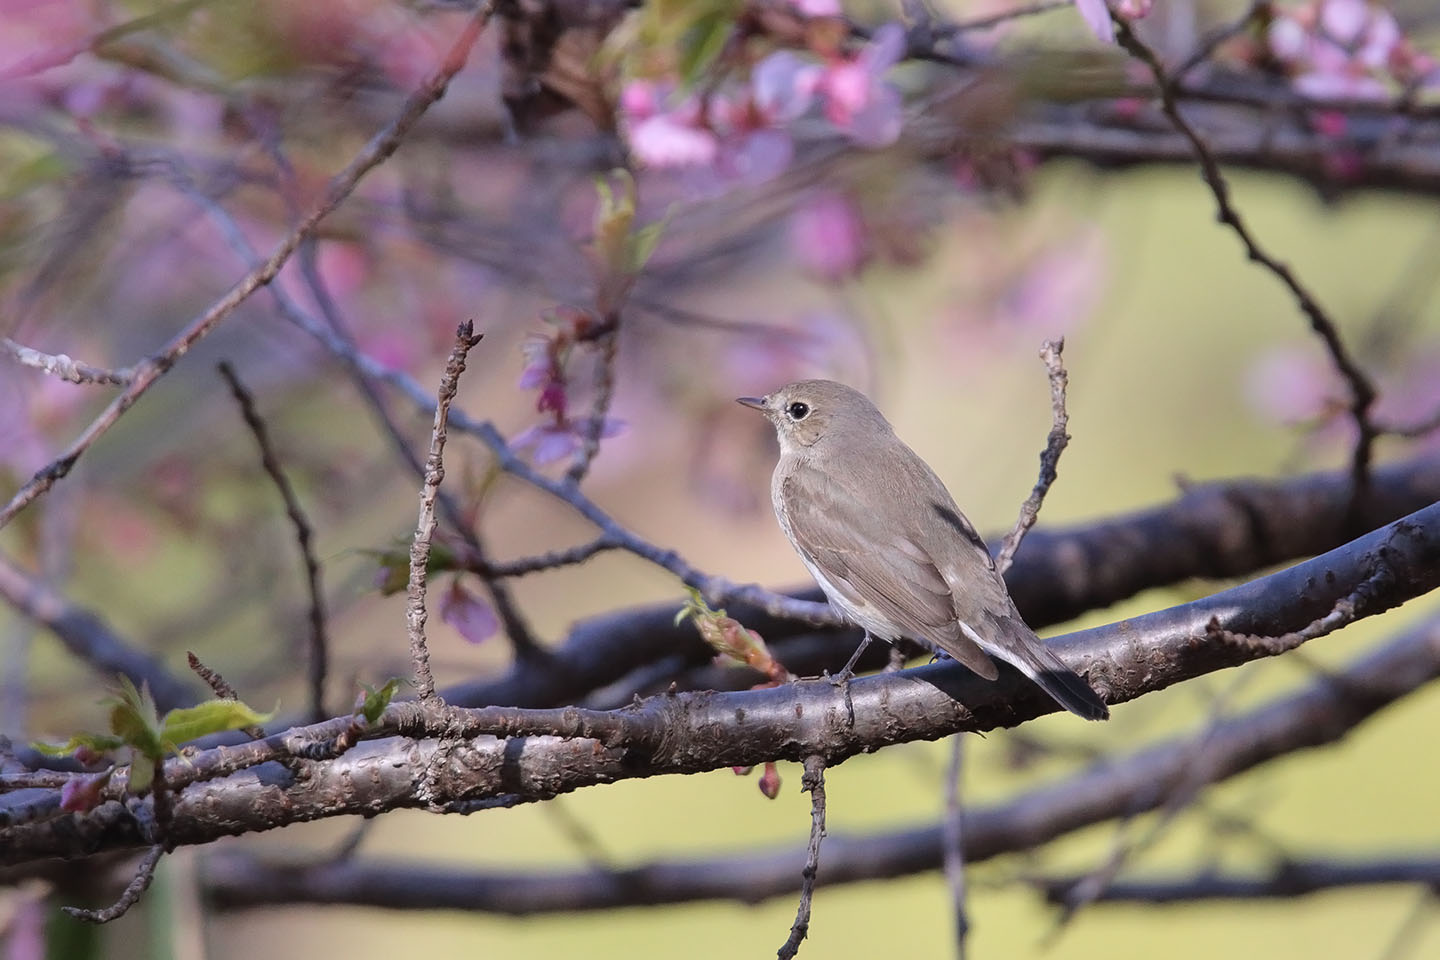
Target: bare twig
(304, 538)
(415, 615)
(1362, 390)
(594, 429)
(813, 780)
(222, 689)
(144, 874)
(149, 370)
(953, 829)
(1049, 457)
(366, 376)
(62, 366)
(554, 559)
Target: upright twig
(1055, 443)
(1362, 391)
(221, 688)
(304, 537)
(334, 332)
(594, 429)
(144, 874)
(813, 780)
(147, 371)
(953, 829)
(415, 615)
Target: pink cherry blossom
(857, 98)
(560, 439)
(828, 235)
(1096, 15)
(468, 613)
(818, 8)
(1346, 50)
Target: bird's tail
(1016, 644)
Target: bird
(884, 539)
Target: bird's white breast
(861, 614)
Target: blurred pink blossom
(741, 129)
(818, 8)
(1346, 49)
(1293, 385)
(560, 439)
(468, 613)
(828, 235)
(1096, 15)
(857, 98)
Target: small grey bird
(884, 539)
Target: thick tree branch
(513, 755)
(1322, 712)
(1289, 878)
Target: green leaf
(377, 700)
(134, 719)
(99, 742)
(184, 724)
(703, 43)
(643, 244)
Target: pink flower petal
(664, 141)
(468, 614)
(783, 86)
(1097, 17)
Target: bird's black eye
(798, 410)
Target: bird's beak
(754, 403)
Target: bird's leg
(844, 675)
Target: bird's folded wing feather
(877, 564)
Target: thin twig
(149, 370)
(566, 557)
(1004, 16)
(304, 538)
(594, 429)
(144, 874)
(62, 366)
(954, 832)
(812, 780)
(415, 615)
(366, 375)
(222, 689)
(1220, 36)
(1055, 444)
(1362, 391)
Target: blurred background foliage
(907, 275)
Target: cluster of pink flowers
(546, 357)
(741, 130)
(1347, 50)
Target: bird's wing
(876, 564)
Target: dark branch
(1289, 878)
(304, 538)
(1319, 714)
(528, 755)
